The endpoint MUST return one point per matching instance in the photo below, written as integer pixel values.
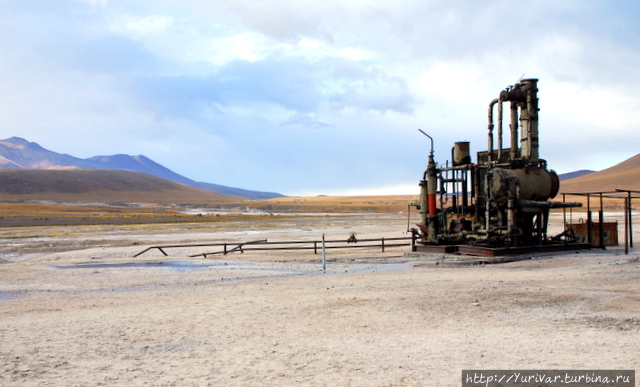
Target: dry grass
(47, 213)
(336, 204)
(88, 186)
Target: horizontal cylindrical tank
(534, 183)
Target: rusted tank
(609, 233)
(531, 182)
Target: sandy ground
(78, 310)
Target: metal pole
(589, 228)
(589, 221)
(564, 213)
(324, 255)
(601, 224)
(383, 244)
(630, 221)
(601, 229)
(626, 225)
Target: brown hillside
(85, 185)
(625, 175)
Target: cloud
(306, 121)
(314, 96)
(292, 83)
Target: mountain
(625, 175)
(99, 185)
(18, 153)
(572, 175)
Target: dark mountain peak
(574, 174)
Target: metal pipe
(487, 199)
(324, 254)
(513, 152)
(630, 221)
(423, 132)
(532, 116)
(490, 135)
(465, 199)
(424, 202)
(545, 204)
(601, 224)
(626, 225)
(500, 131)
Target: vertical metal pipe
(490, 135)
(424, 203)
(487, 204)
(511, 217)
(513, 152)
(532, 123)
(589, 221)
(564, 213)
(431, 193)
(630, 221)
(413, 242)
(465, 195)
(601, 229)
(601, 224)
(626, 225)
(545, 223)
(500, 131)
(324, 255)
(539, 229)
(454, 190)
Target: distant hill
(18, 153)
(572, 175)
(625, 175)
(86, 185)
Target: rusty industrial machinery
(499, 204)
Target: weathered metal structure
(499, 204)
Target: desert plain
(78, 309)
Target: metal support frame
(624, 194)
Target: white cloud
(317, 96)
(96, 3)
(141, 25)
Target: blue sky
(315, 97)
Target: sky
(313, 97)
